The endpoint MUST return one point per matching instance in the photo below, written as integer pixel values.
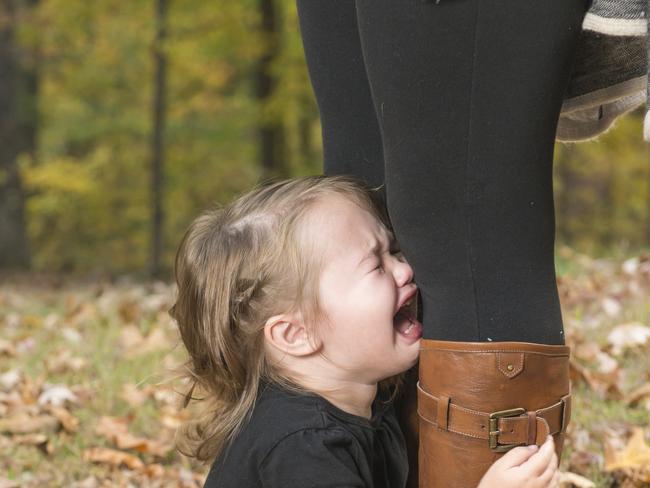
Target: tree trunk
(157, 149)
(271, 135)
(18, 85)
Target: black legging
(454, 106)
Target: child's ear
(288, 334)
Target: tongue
(405, 327)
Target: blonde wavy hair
(236, 266)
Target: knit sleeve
(313, 458)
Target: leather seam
(559, 355)
(429, 421)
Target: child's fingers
(550, 471)
(550, 478)
(555, 482)
(518, 455)
(538, 463)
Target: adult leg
(351, 139)
(468, 94)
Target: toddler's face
(372, 333)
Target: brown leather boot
(477, 400)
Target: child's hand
(524, 467)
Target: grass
(33, 319)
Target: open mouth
(406, 322)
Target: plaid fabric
(610, 74)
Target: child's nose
(403, 273)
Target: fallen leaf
(631, 266)
(24, 424)
(31, 321)
(611, 306)
(133, 395)
(628, 335)
(587, 351)
(638, 394)
(581, 462)
(64, 361)
(83, 313)
(155, 341)
(52, 321)
(577, 372)
(89, 482)
(166, 396)
(569, 480)
(154, 470)
(129, 311)
(10, 379)
(30, 389)
(130, 337)
(113, 457)
(7, 348)
(606, 363)
(635, 455)
(116, 431)
(30, 439)
(69, 422)
(56, 395)
(7, 483)
(71, 335)
(172, 418)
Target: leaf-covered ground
(86, 401)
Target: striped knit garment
(610, 74)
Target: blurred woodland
(121, 120)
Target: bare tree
(157, 140)
(18, 116)
(271, 132)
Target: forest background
(121, 121)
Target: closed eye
(394, 250)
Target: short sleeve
(313, 458)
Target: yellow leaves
(60, 175)
(635, 455)
(633, 461)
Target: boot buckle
(494, 428)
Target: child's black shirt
(302, 441)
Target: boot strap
(504, 429)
